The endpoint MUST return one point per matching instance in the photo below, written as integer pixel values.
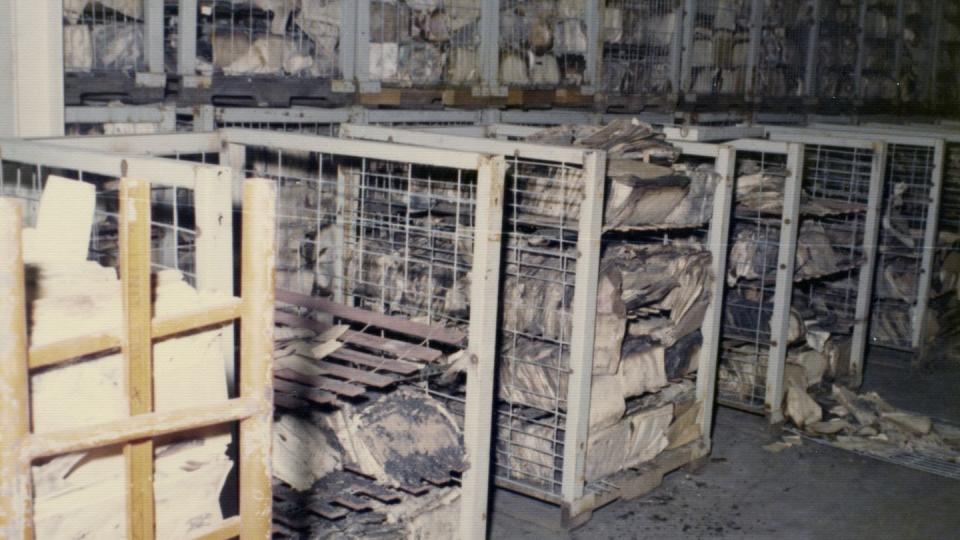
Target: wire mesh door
(717, 60)
(415, 44)
(751, 281)
(292, 38)
(836, 57)
(641, 46)
(105, 36)
(542, 44)
(902, 274)
(782, 52)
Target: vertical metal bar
(153, 35)
(898, 43)
(340, 234)
(718, 241)
(348, 40)
(168, 121)
(362, 48)
(689, 16)
(137, 349)
(212, 196)
(812, 43)
(861, 48)
(786, 261)
(15, 498)
(594, 18)
(204, 118)
(490, 46)
(482, 346)
(235, 156)
(258, 262)
(756, 35)
(929, 246)
(589, 229)
(871, 232)
(187, 37)
(931, 96)
(676, 51)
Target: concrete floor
(810, 491)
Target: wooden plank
(375, 380)
(374, 491)
(328, 511)
(440, 334)
(352, 502)
(375, 362)
(137, 349)
(41, 445)
(302, 392)
(229, 528)
(400, 349)
(15, 498)
(69, 349)
(323, 383)
(257, 265)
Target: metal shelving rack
(554, 440)
(842, 175)
(911, 208)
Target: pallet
(259, 91)
(630, 484)
(408, 98)
(129, 88)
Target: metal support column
(753, 50)
(861, 48)
(786, 262)
(594, 19)
(929, 247)
(187, 38)
(810, 72)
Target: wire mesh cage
(103, 36)
(717, 58)
(292, 38)
(425, 43)
(837, 51)
(641, 40)
(782, 52)
(543, 44)
(879, 77)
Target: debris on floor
(867, 424)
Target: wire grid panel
(543, 44)
(837, 49)
(104, 36)
(950, 195)
(173, 225)
(879, 77)
(841, 174)
(717, 60)
(782, 52)
(415, 43)
(946, 89)
(542, 216)
(640, 46)
(749, 302)
(293, 38)
(303, 128)
(907, 201)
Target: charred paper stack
(825, 278)
(654, 286)
(103, 35)
(268, 37)
(638, 43)
(424, 42)
(542, 43)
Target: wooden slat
(229, 528)
(257, 266)
(440, 334)
(375, 380)
(288, 402)
(379, 493)
(375, 362)
(396, 348)
(323, 383)
(352, 502)
(41, 445)
(15, 499)
(304, 392)
(327, 510)
(69, 349)
(137, 350)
